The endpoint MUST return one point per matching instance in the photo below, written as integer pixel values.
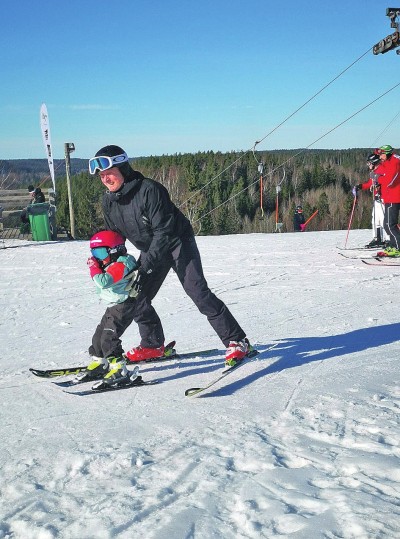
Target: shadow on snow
(303, 350)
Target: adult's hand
(137, 283)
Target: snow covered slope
(300, 443)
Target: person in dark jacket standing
(298, 220)
(37, 198)
(36, 194)
(141, 210)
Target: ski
(191, 392)
(359, 248)
(372, 257)
(380, 262)
(138, 382)
(355, 257)
(171, 355)
(188, 355)
(363, 257)
(52, 373)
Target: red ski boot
(141, 354)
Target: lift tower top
(392, 41)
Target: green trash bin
(39, 221)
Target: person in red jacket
(380, 237)
(389, 180)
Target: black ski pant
(106, 340)
(390, 222)
(186, 262)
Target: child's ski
(138, 382)
(169, 354)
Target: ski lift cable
(313, 97)
(277, 127)
(303, 150)
(375, 142)
(44, 180)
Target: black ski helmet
(111, 151)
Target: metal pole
(351, 220)
(69, 148)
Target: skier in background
(299, 220)
(389, 180)
(112, 271)
(37, 197)
(36, 194)
(140, 209)
(378, 208)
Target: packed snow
(301, 442)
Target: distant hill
(221, 193)
(22, 172)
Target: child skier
(112, 271)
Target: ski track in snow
(302, 442)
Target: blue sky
(170, 76)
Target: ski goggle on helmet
(103, 162)
(106, 243)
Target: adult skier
(389, 180)
(380, 237)
(140, 209)
(299, 220)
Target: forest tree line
(221, 192)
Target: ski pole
(309, 219)
(351, 219)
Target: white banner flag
(45, 127)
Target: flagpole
(45, 128)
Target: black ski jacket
(143, 212)
(298, 220)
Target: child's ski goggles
(101, 253)
(103, 162)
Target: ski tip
(40, 373)
(66, 383)
(192, 391)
